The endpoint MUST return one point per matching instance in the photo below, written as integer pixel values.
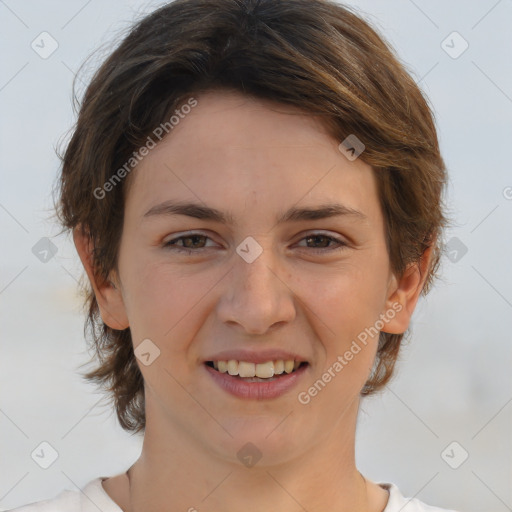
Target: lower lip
(256, 390)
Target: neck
(229, 492)
(177, 473)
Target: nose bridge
(256, 296)
(259, 276)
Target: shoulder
(68, 501)
(90, 499)
(397, 502)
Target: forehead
(230, 147)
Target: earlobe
(404, 292)
(108, 295)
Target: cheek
(347, 306)
(168, 304)
(346, 300)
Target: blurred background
(442, 429)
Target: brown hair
(314, 54)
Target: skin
(253, 159)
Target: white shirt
(93, 497)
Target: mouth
(247, 383)
(249, 372)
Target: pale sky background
(454, 381)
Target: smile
(256, 380)
(245, 369)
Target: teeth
(246, 369)
(233, 367)
(265, 370)
(278, 367)
(288, 366)
(262, 370)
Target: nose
(257, 296)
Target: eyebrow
(294, 214)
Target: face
(251, 274)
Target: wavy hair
(317, 55)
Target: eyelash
(171, 244)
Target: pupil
(193, 237)
(316, 237)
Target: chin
(272, 440)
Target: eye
(194, 242)
(324, 241)
(190, 243)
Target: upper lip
(261, 356)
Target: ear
(108, 294)
(403, 294)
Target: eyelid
(342, 243)
(185, 234)
(172, 243)
(322, 232)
